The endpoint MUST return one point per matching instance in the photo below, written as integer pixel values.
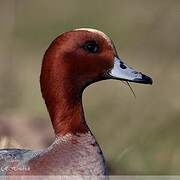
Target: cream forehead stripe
(97, 32)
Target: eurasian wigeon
(74, 60)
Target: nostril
(122, 66)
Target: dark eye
(91, 47)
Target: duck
(73, 61)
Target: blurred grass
(138, 136)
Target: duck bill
(123, 72)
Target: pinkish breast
(69, 155)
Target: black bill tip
(144, 80)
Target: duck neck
(66, 111)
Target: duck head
(76, 59)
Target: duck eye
(91, 47)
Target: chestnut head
(83, 56)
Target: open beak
(123, 72)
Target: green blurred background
(137, 136)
